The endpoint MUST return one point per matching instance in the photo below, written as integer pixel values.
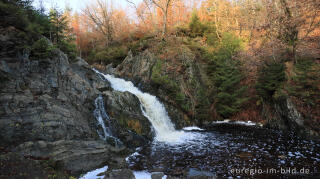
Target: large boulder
(75, 156)
(122, 173)
(137, 68)
(127, 120)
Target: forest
(253, 51)
(159, 88)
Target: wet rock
(44, 99)
(122, 173)
(109, 69)
(157, 175)
(282, 114)
(129, 123)
(4, 67)
(46, 109)
(75, 156)
(81, 62)
(172, 177)
(13, 165)
(196, 174)
(244, 155)
(137, 66)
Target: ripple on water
(221, 150)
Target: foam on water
(94, 174)
(245, 123)
(192, 128)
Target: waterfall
(151, 108)
(101, 115)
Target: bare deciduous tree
(164, 6)
(101, 15)
(292, 21)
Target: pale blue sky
(77, 5)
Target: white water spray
(152, 108)
(101, 115)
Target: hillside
(162, 93)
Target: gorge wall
(184, 88)
(46, 111)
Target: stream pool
(231, 151)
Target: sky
(77, 5)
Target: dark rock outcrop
(116, 174)
(185, 83)
(182, 86)
(129, 123)
(157, 175)
(46, 110)
(76, 156)
(283, 115)
(196, 174)
(49, 100)
(13, 165)
(137, 68)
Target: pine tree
(60, 33)
(270, 77)
(195, 25)
(226, 76)
(59, 25)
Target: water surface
(228, 148)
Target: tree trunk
(294, 53)
(164, 28)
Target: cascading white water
(152, 108)
(101, 115)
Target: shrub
(12, 14)
(171, 87)
(270, 77)
(182, 30)
(229, 46)
(163, 80)
(139, 46)
(69, 48)
(306, 81)
(112, 54)
(195, 26)
(40, 49)
(211, 38)
(202, 109)
(180, 97)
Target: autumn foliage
(278, 32)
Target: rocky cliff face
(283, 115)
(46, 111)
(180, 85)
(125, 113)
